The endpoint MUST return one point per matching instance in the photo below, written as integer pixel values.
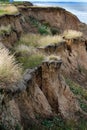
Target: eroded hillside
(52, 93)
(36, 19)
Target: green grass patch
(83, 104)
(58, 123)
(10, 71)
(31, 61)
(76, 88)
(82, 124)
(37, 40)
(43, 29)
(80, 92)
(2, 12)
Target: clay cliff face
(74, 54)
(16, 29)
(43, 90)
(20, 23)
(55, 17)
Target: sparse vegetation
(80, 92)
(83, 104)
(58, 123)
(77, 89)
(10, 71)
(18, 127)
(43, 29)
(55, 31)
(70, 34)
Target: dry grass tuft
(70, 34)
(30, 39)
(49, 40)
(28, 56)
(10, 71)
(24, 49)
(53, 58)
(37, 40)
(8, 9)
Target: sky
(55, 0)
(61, 0)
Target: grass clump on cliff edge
(30, 40)
(6, 8)
(70, 34)
(50, 40)
(24, 49)
(37, 40)
(10, 71)
(10, 9)
(27, 52)
(28, 56)
(30, 61)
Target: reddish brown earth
(55, 17)
(43, 91)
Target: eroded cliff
(44, 91)
(28, 18)
(50, 89)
